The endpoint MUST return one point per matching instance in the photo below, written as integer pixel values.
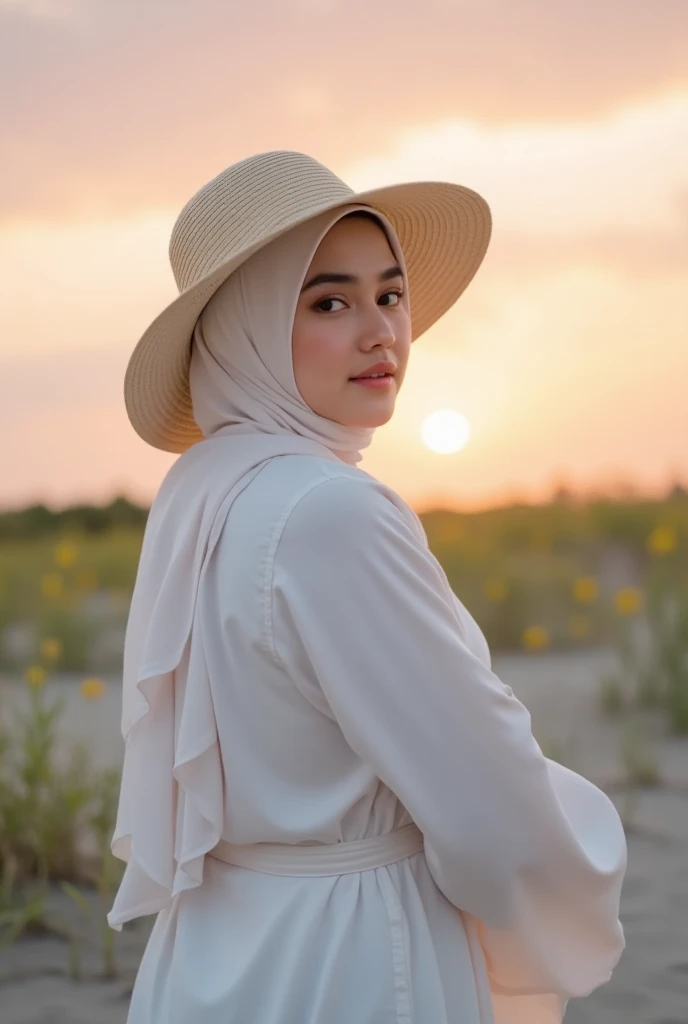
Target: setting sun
(445, 431)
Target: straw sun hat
(443, 229)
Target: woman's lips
(374, 382)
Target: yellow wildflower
(52, 585)
(662, 541)
(628, 600)
(535, 638)
(92, 689)
(496, 590)
(35, 676)
(65, 554)
(585, 590)
(51, 648)
(579, 627)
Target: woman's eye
(331, 305)
(327, 302)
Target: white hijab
(246, 402)
(242, 373)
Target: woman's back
(352, 696)
(290, 776)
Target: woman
(337, 811)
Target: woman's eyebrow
(331, 278)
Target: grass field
(532, 576)
(585, 607)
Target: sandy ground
(650, 985)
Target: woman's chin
(372, 417)
(372, 414)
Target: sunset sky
(568, 354)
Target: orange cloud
(117, 107)
(609, 191)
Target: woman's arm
(532, 851)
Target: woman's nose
(377, 329)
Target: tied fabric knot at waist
(323, 858)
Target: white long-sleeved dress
(352, 694)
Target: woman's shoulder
(322, 499)
(316, 497)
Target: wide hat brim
(443, 229)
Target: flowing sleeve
(532, 854)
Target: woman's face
(352, 313)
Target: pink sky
(568, 353)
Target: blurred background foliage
(533, 576)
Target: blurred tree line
(624, 518)
(39, 521)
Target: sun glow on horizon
(445, 431)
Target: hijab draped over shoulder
(246, 402)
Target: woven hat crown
(247, 202)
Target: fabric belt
(323, 858)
